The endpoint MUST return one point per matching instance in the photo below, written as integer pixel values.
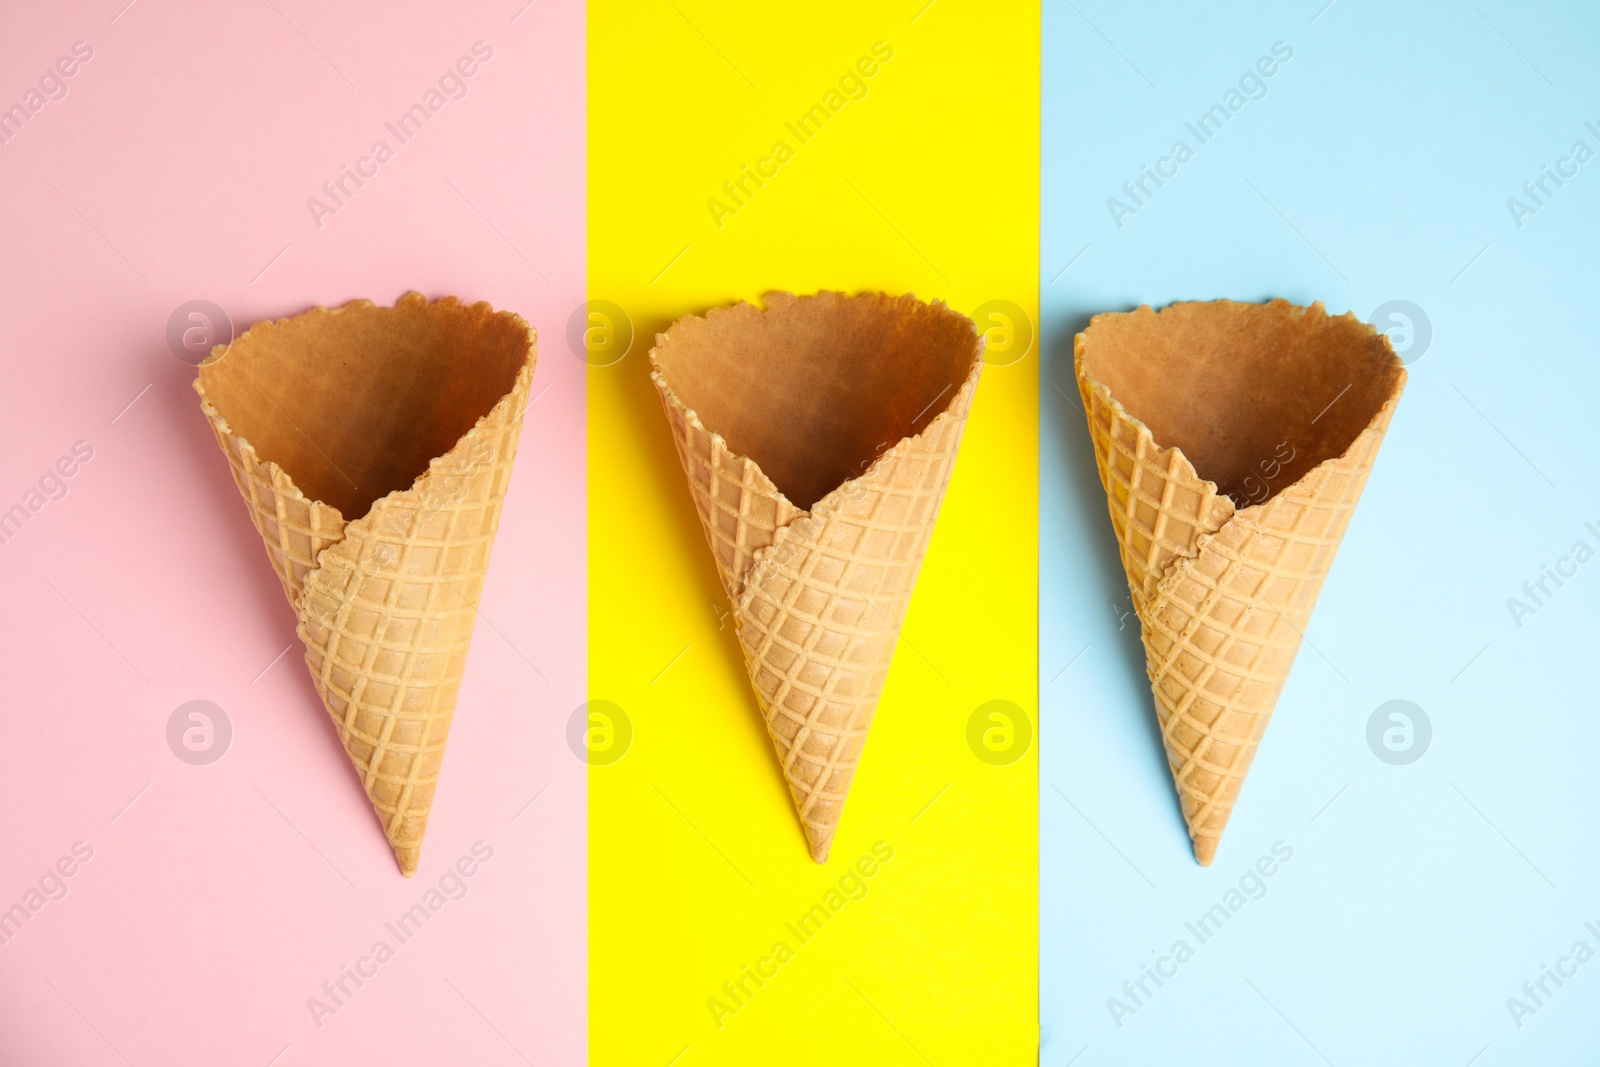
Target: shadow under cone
(1233, 441)
(407, 417)
(818, 436)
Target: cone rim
(825, 505)
(282, 477)
(1101, 389)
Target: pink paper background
(178, 167)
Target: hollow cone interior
(1233, 441)
(818, 436)
(407, 418)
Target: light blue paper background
(1377, 167)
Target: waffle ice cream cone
(818, 436)
(1233, 441)
(373, 447)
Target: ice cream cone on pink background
(230, 880)
(373, 447)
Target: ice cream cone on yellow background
(373, 447)
(744, 946)
(861, 400)
(1233, 441)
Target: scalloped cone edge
(1209, 763)
(337, 575)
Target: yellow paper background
(928, 184)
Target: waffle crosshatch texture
(819, 594)
(385, 602)
(220, 885)
(702, 810)
(1224, 593)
